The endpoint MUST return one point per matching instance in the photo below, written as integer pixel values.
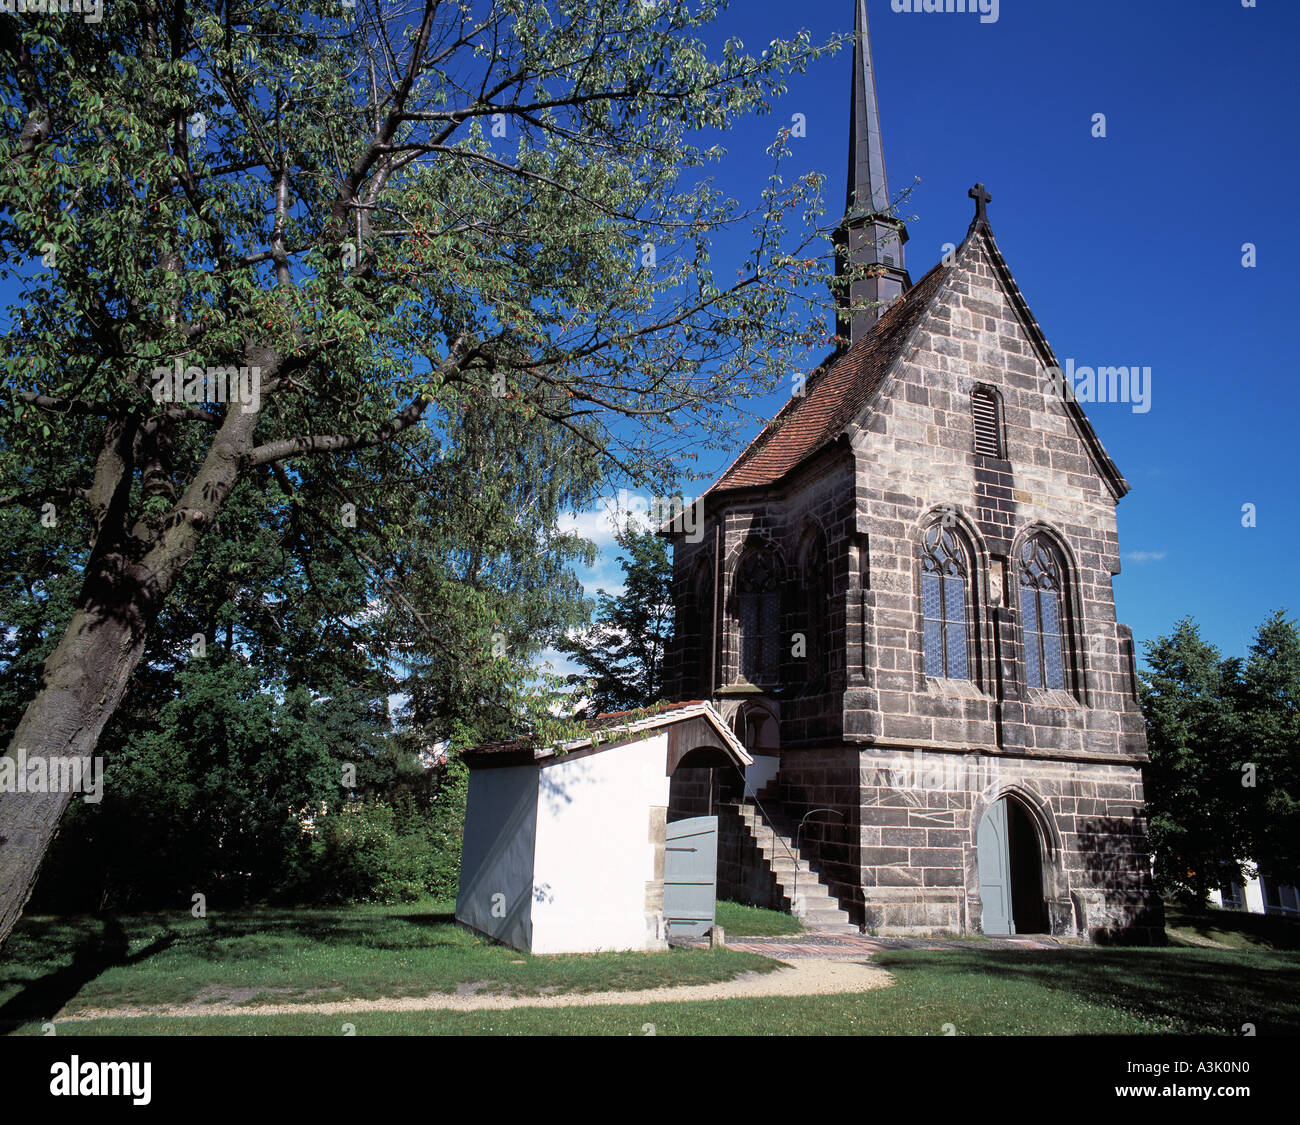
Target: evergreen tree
(1193, 788)
(623, 651)
(1265, 691)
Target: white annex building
(564, 848)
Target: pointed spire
(869, 236)
(868, 191)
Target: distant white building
(1258, 895)
(435, 755)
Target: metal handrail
(744, 787)
(799, 831)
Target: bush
(363, 857)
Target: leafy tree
(1193, 789)
(623, 652)
(384, 218)
(209, 801)
(1265, 691)
(1223, 787)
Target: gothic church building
(902, 604)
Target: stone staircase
(799, 888)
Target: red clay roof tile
(833, 396)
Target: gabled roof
(833, 396)
(608, 729)
(848, 381)
(1109, 471)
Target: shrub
(364, 858)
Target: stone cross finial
(982, 200)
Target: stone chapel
(902, 604)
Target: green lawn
(968, 992)
(361, 952)
(1231, 928)
(302, 954)
(751, 921)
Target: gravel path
(809, 977)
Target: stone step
(811, 893)
(786, 869)
(815, 896)
(822, 912)
(793, 873)
(769, 839)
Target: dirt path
(809, 977)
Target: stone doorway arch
(1015, 877)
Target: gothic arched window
(700, 632)
(813, 610)
(944, 581)
(1042, 588)
(758, 603)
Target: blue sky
(1128, 248)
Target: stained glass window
(1041, 587)
(758, 591)
(944, 578)
(813, 572)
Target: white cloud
(552, 660)
(1144, 556)
(597, 526)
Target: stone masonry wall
(901, 854)
(916, 462)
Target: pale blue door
(995, 870)
(690, 876)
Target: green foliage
(363, 858)
(238, 793)
(623, 653)
(458, 336)
(1224, 742)
(1192, 789)
(1265, 691)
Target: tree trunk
(82, 684)
(85, 678)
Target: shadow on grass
(1182, 990)
(336, 928)
(1232, 927)
(428, 919)
(70, 953)
(43, 997)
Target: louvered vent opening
(988, 435)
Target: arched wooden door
(1010, 870)
(995, 870)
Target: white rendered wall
(761, 772)
(497, 854)
(1254, 896)
(594, 852)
